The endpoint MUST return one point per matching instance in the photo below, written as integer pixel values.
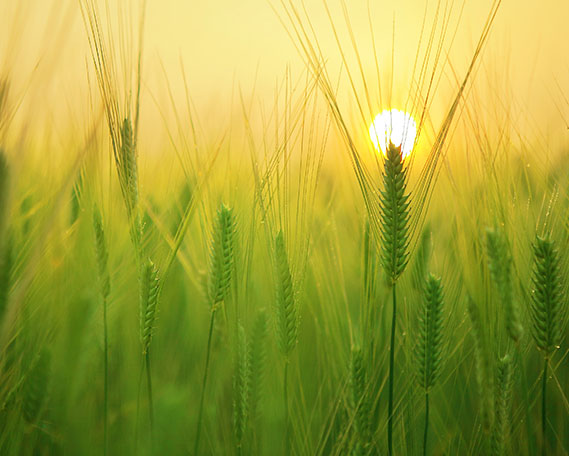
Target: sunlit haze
(393, 126)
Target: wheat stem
(391, 375)
(544, 407)
(106, 377)
(426, 433)
(204, 382)
(149, 391)
(286, 421)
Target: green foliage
(394, 214)
(547, 309)
(148, 303)
(221, 256)
(500, 265)
(287, 313)
(429, 338)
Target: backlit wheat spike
(221, 256)
(394, 214)
(35, 385)
(241, 384)
(287, 317)
(500, 265)
(547, 312)
(428, 351)
(148, 303)
(102, 254)
(394, 228)
(128, 166)
(360, 401)
(484, 372)
(547, 297)
(501, 434)
(429, 344)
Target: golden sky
(226, 45)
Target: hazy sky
(228, 44)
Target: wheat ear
(547, 311)
(394, 227)
(500, 265)
(428, 352)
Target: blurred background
(221, 48)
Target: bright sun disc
(395, 126)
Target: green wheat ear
(128, 166)
(547, 297)
(148, 303)
(35, 386)
(429, 345)
(241, 386)
(221, 256)
(258, 360)
(484, 371)
(394, 215)
(102, 254)
(287, 316)
(500, 265)
(360, 402)
(501, 433)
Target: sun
(395, 126)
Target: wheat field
(284, 228)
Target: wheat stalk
(102, 256)
(221, 259)
(394, 227)
(547, 311)
(241, 387)
(428, 351)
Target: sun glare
(395, 126)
